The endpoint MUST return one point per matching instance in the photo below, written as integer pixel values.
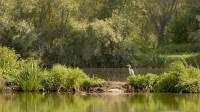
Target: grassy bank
(26, 75)
(180, 77)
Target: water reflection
(37, 102)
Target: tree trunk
(161, 37)
(161, 40)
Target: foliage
(143, 82)
(152, 59)
(179, 78)
(101, 33)
(69, 79)
(55, 78)
(8, 62)
(28, 76)
(180, 26)
(8, 58)
(179, 48)
(92, 82)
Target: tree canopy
(95, 33)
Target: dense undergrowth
(180, 77)
(27, 75)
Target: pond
(119, 74)
(54, 102)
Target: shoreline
(109, 88)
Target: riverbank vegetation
(20, 74)
(100, 33)
(27, 75)
(53, 38)
(180, 77)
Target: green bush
(55, 78)
(69, 79)
(8, 62)
(191, 81)
(167, 83)
(8, 58)
(179, 78)
(92, 82)
(76, 78)
(143, 82)
(29, 75)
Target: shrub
(69, 79)
(167, 83)
(179, 78)
(8, 58)
(28, 76)
(191, 81)
(143, 82)
(55, 78)
(8, 62)
(76, 78)
(92, 82)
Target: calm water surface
(119, 74)
(37, 102)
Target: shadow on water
(52, 102)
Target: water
(52, 102)
(119, 74)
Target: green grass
(180, 56)
(29, 75)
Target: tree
(159, 13)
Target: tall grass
(28, 76)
